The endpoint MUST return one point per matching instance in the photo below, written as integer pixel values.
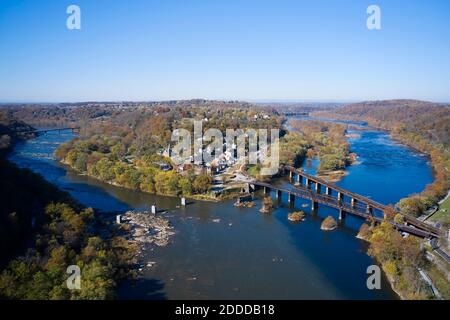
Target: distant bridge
(44, 131)
(357, 205)
(296, 113)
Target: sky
(256, 50)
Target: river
(246, 254)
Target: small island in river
(296, 216)
(329, 224)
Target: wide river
(223, 252)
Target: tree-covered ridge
(429, 120)
(66, 114)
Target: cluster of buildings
(217, 165)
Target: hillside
(430, 120)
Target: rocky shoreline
(147, 228)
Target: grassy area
(442, 215)
(440, 282)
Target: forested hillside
(67, 114)
(430, 120)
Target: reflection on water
(246, 254)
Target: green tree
(185, 186)
(105, 169)
(202, 183)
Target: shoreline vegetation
(199, 197)
(400, 259)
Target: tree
(185, 186)
(80, 163)
(411, 206)
(105, 169)
(202, 183)
(399, 219)
(389, 213)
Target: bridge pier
(307, 183)
(291, 198)
(317, 187)
(340, 198)
(314, 206)
(291, 175)
(299, 180)
(369, 210)
(341, 214)
(266, 190)
(328, 191)
(353, 203)
(278, 194)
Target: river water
(246, 254)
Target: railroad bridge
(320, 191)
(44, 131)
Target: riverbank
(199, 197)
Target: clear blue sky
(224, 49)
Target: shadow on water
(142, 289)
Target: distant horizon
(255, 101)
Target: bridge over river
(320, 191)
(44, 131)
